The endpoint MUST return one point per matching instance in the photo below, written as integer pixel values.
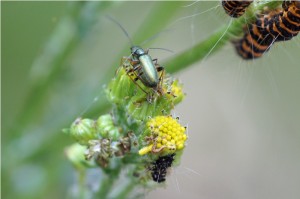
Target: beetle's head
(137, 51)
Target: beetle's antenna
(163, 49)
(123, 29)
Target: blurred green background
(243, 117)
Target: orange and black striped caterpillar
(277, 26)
(256, 40)
(235, 8)
(286, 24)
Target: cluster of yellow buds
(166, 136)
(176, 92)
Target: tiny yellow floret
(158, 139)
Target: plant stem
(106, 185)
(81, 182)
(198, 52)
(126, 190)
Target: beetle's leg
(155, 61)
(137, 71)
(134, 62)
(170, 92)
(134, 69)
(129, 59)
(126, 60)
(161, 79)
(161, 69)
(135, 79)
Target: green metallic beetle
(144, 67)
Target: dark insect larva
(276, 26)
(286, 24)
(256, 41)
(235, 8)
(160, 166)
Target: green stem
(107, 182)
(81, 183)
(106, 185)
(126, 190)
(198, 52)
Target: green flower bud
(106, 127)
(75, 153)
(83, 130)
(121, 88)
